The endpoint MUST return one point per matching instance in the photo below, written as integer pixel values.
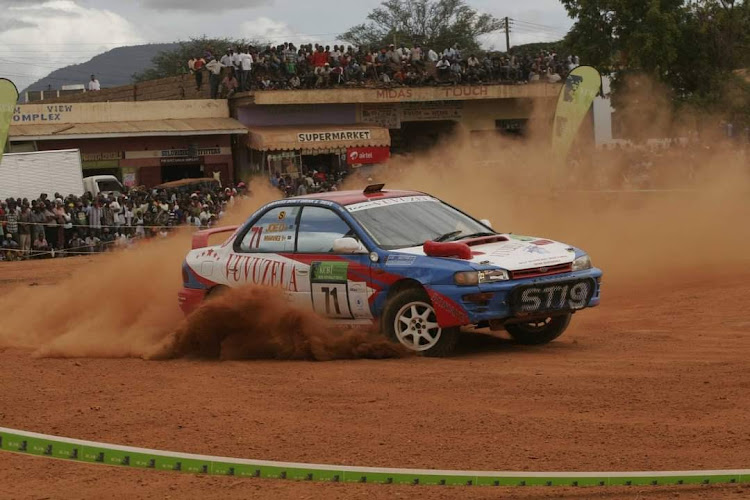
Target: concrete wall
(173, 88)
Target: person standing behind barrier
(226, 59)
(10, 248)
(140, 231)
(24, 230)
(246, 66)
(95, 217)
(108, 216)
(214, 68)
(11, 220)
(198, 67)
(50, 229)
(40, 244)
(37, 220)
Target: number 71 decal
(329, 287)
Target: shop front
(142, 144)
(150, 161)
(332, 149)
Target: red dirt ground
(656, 379)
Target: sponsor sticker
(365, 205)
(400, 260)
(329, 272)
(536, 249)
(507, 248)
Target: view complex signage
(367, 156)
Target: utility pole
(507, 35)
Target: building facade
(146, 142)
(141, 143)
(392, 120)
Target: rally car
(412, 264)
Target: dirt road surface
(656, 379)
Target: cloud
(40, 41)
(202, 5)
(10, 24)
(267, 30)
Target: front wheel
(409, 319)
(540, 331)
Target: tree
(691, 47)
(174, 62)
(436, 24)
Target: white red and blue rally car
(414, 265)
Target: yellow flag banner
(8, 100)
(581, 87)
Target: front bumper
(190, 299)
(497, 304)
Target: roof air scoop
(373, 188)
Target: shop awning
(316, 137)
(183, 127)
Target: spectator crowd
(307, 181)
(73, 225)
(287, 66)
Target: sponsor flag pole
(576, 97)
(8, 100)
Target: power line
(537, 33)
(547, 27)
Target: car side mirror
(486, 222)
(348, 246)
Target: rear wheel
(410, 320)
(539, 331)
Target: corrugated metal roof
(298, 137)
(191, 126)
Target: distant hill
(112, 68)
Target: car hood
(516, 253)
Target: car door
(339, 284)
(261, 256)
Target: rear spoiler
(200, 239)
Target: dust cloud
(259, 323)
(124, 304)
(689, 220)
(642, 214)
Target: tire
(539, 332)
(409, 319)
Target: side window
(273, 232)
(318, 228)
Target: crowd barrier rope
(92, 452)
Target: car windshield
(410, 221)
(107, 186)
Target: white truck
(27, 175)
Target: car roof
(350, 197)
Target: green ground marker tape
(31, 443)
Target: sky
(39, 36)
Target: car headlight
(469, 278)
(582, 263)
(466, 278)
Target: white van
(105, 184)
